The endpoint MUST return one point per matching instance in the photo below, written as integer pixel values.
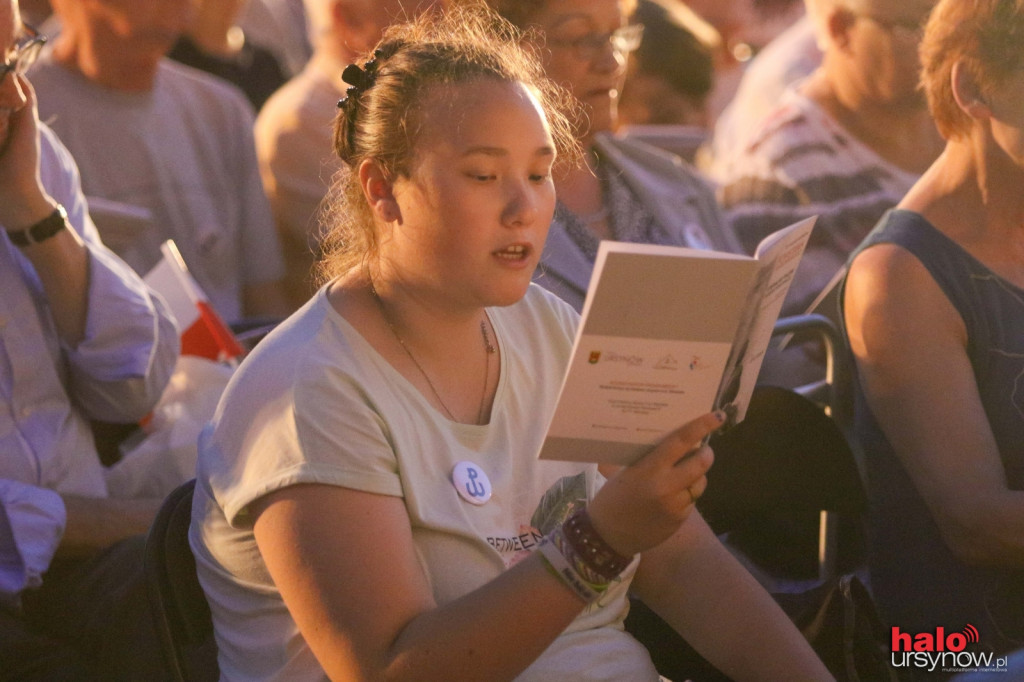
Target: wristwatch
(41, 231)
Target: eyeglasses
(24, 53)
(590, 46)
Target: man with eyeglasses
(845, 143)
(81, 337)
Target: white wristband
(561, 567)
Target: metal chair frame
(834, 393)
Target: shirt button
(25, 412)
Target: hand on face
(21, 192)
(645, 503)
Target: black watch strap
(41, 231)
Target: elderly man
(81, 337)
(168, 144)
(846, 143)
(293, 131)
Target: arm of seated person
(361, 600)
(31, 525)
(62, 260)
(120, 345)
(359, 596)
(94, 523)
(910, 347)
(699, 588)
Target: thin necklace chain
(488, 347)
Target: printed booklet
(667, 334)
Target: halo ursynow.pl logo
(943, 651)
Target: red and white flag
(203, 332)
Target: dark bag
(839, 619)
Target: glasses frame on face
(25, 53)
(894, 26)
(589, 47)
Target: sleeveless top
(918, 582)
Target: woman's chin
(600, 117)
(508, 295)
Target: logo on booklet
(698, 363)
(667, 362)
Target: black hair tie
(359, 78)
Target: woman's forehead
(479, 112)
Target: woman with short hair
(934, 308)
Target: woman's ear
(838, 22)
(379, 191)
(967, 93)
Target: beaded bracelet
(598, 558)
(577, 554)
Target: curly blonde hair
(380, 118)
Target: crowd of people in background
(339, 166)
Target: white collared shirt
(50, 390)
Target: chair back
(182, 613)
(834, 391)
(788, 459)
(788, 455)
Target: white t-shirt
(316, 403)
(182, 154)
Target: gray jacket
(682, 202)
